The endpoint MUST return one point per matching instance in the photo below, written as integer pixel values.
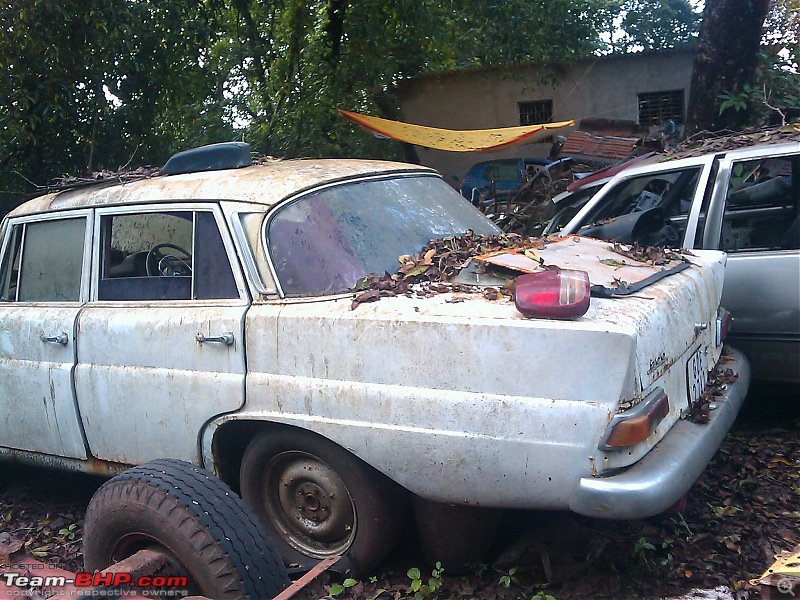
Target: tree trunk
(726, 60)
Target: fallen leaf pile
(521, 209)
(718, 381)
(652, 255)
(705, 142)
(44, 511)
(431, 270)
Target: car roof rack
(226, 155)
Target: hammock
(472, 140)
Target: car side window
(650, 209)
(177, 255)
(672, 191)
(44, 261)
(505, 172)
(762, 205)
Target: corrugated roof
(610, 147)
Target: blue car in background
(489, 177)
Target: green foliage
(772, 97)
(100, 85)
(478, 569)
(508, 577)
(680, 528)
(540, 595)
(652, 555)
(738, 102)
(657, 24)
(69, 533)
(424, 590)
(89, 86)
(339, 588)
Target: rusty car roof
(265, 184)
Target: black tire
(317, 500)
(206, 530)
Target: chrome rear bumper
(665, 474)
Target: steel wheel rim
(309, 504)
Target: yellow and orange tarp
(470, 140)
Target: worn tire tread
(220, 527)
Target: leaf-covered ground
(744, 509)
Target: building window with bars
(657, 107)
(533, 113)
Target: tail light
(724, 321)
(553, 294)
(635, 425)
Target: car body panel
(322, 366)
(38, 353)
(264, 184)
(457, 397)
(762, 288)
(503, 175)
(676, 464)
(126, 381)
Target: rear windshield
(324, 242)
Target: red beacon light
(553, 294)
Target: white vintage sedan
(207, 314)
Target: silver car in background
(745, 202)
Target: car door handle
(62, 339)
(226, 338)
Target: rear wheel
(317, 500)
(204, 530)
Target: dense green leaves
(91, 85)
(97, 84)
(657, 24)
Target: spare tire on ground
(206, 532)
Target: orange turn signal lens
(634, 426)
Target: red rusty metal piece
(298, 585)
(143, 563)
(14, 560)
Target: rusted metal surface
(664, 475)
(143, 563)
(492, 406)
(601, 149)
(489, 407)
(142, 372)
(316, 570)
(261, 184)
(89, 465)
(37, 380)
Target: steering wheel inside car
(160, 263)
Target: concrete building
(645, 88)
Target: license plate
(696, 375)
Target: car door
(652, 205)
(755, 218)
(43, 277)
(160, 348)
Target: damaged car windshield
(327, 240)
